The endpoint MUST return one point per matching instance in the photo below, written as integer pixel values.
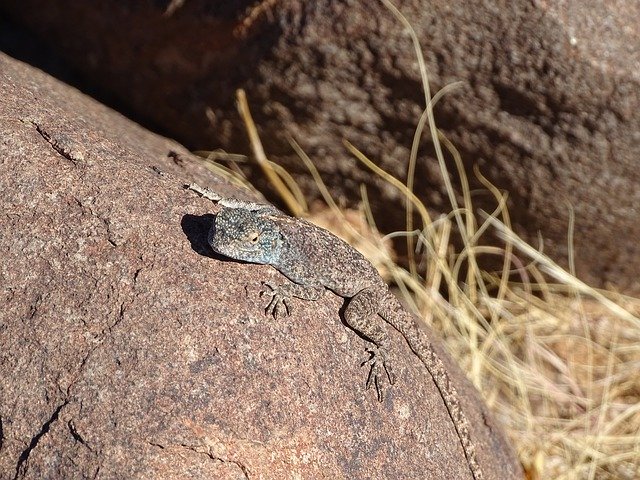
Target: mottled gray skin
(315, 260)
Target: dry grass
(555, 359)
(556, 362)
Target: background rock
(128, 351)
(549, 110)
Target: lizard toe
(278, 304)
(379, 369)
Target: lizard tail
(419, 343)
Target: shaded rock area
(127, 350)
(550, 110)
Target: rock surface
(550, 110)
(128, 351)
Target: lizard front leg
(279, 296)
(361, 315)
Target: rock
(549, 110)
(127, 350)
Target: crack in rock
(21, 467)
(194, 448)
(208, 453)
(64, 147)
(244, 469)
(77, 437)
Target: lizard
(314, 260)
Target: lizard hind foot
(278, 302)
(379, 369)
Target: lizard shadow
(196, 229)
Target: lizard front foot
(278, 300)
(379, 369)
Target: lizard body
(315, 260)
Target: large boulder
(127, 350)
(550, 110)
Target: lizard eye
(254, 237)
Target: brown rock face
(549, 110)
(128, 351)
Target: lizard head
(246, 235)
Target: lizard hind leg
(361, 316)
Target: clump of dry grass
(555, 359)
